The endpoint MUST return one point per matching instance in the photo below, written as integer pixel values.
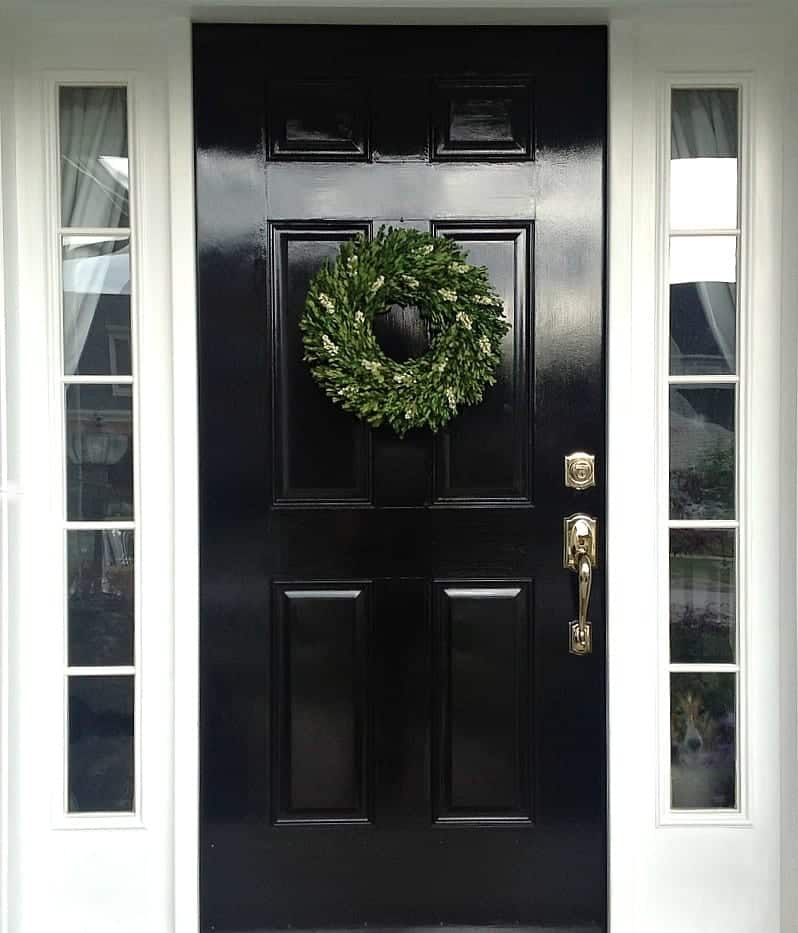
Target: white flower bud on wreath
(326, 302)
(465, 324)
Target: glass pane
(96, 281)
(703, 741)
(703, 298)
(101, 772)
(704, 129)
(702, 595)
(702, 452)
(94, 157)
(100, 568)
(99, 452)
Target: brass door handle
(579, 555)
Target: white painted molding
(7, 293)
(788, 495)
(186, 481)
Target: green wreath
(462, 313)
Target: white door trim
(186, 487)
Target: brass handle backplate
(580, 553)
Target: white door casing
(663, 877)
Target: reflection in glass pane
(101, 773)
(702, 452)
(703, 741)
(96, 282)
(704, 123)
(99, 452)
(703, 305)
(704, 130)
(94, 157)
(702, 595)
(100, 587)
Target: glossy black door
(393, 730)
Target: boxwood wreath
(462, 313)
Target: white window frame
(53, 82)
(743, 84)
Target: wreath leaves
(455, 300)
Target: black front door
(394, 733)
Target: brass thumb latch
(579, 555)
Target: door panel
(321, 704)
(394, 733)
(482, 696)
(300, 475)
(485, 454)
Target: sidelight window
(705, 384)
(99, 456)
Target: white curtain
(93, 127)
(704, 125)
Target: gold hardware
(580, 470)
(580, 555)
(579, 534)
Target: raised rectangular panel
(484, 454)
(317, 120)
(321, 453)
(321, 756)
(490, 119)
(482, 691)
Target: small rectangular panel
(703, 741)
(702, 452)
(96, 297)
(703, 595)
(703, 305)
(321, 759)
(482, 730)
(704, 150)
(95, 178)
(317, 120)
(99, 452)
(321, 453)
(488, 119)
(100, 567)
(484, 454)
(101, 759)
